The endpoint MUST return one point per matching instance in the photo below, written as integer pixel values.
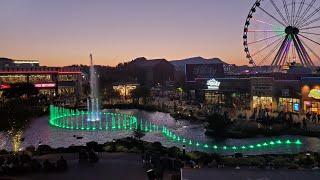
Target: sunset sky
(64, 32)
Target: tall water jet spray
(93, 100)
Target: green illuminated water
(68, 119)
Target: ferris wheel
(279, 33)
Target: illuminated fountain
(93, 100)
(77, 120)
(95, 120)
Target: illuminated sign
(213, 84)
(5, 86)
(314, 93)
(296, 107)
(125, 90)
(48, 85)
(203, 71)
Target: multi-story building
(49, 80)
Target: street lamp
(184, 150)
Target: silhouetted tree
(138, 133)
(140, 92)
(111, 94)
(218, 124)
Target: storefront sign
(314, 93)
(213, 84)
(203, 71)
(48, 85)
(5, 86)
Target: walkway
(110, 166)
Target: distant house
(151, 72)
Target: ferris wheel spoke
(280, 52)
(267, 46)
(293, 11)
(314, 27)
(310, 22)
(309, 39)
(310, 16)
(285, 57)
(283, 24)
(300, 55)
(310, 49)
(305, 12)
(304, 51)
(304, 54)
(264, 39)
(299, 11)
(282, 32)
(311, 33)
(279, 12)
(287, 11)
(269, 54)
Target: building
(151, 72)
(49, 80)
(10, 63)
(288, 92)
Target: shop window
(214, 98)
(312, 107)
(262, 102)
(40, 78)
(289, 105)
(67, 77)
(9, 79)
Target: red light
(5, 86)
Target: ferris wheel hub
(290, 30)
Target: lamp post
(184, 150)
(113, 145)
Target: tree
(218, 123)
(140, 92)
(18, 90)
(111, 94)
(138, 133)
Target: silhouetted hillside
(180, 64)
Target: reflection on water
(40, 131)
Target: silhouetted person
(304, 123)
(48, 166)
(62, 164)
(93, 157)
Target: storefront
(289, 105)
(310, 92)
(262, 93)
(228, 92)
(214, 97)
(311, 99)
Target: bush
(44, 149)
(217, 124)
